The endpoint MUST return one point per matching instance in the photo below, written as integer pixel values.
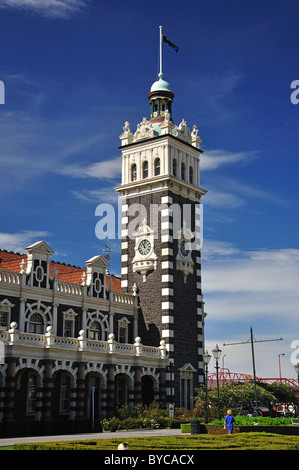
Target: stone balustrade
(49, 340)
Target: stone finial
(81, 340)
(22, 266)
(126, 137)
(195, 139)
(163, 349)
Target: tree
(284, 393)
(241, 396)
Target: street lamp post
(297, 370)
(282, 354)
(206, 360)
(217, 353)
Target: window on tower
(183, 170)
(174, 167)
(157, 166)
(145, 169)
(191, 174)
(133, 172)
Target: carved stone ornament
(144, 130)
(145, 259)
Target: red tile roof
(11, 261)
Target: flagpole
(160, 49)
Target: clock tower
(161, 244)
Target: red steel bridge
(225, 375)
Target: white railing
(68, 288)
(49, 340)
(122, 298)
(10, 277)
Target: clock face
(144, 247)
(184, 248)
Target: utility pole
(251, 340)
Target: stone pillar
(48, 385)
(10, 388)
(137, 384)
(80, 398)
(111, 390)
(162, 386)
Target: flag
(170, 43)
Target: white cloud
(214, 248)
(48, 8)
(213, 159)
(18, 241)
(257, 271)
(244, 288)
(107, 195)
(108, 169)
(223, 199)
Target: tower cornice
(160, 137)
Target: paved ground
(102, 435)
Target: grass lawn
(242, 441)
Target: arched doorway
(121, 390)
(147, 390)
(93, 386)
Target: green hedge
(116, 424)
(242, 441)
(261, 420)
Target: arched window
(95, 331)
(157, 166)
(35, 324)
(174, 167)
(145, 169)
(133, 172)
(183, 171)
(191, 174)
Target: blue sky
(75, 71)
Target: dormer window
(39, 274)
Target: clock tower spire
(161, 250)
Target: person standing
(229, 422)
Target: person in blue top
(229, 421)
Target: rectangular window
(68, 328)
(3, 319)
(122, 335)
